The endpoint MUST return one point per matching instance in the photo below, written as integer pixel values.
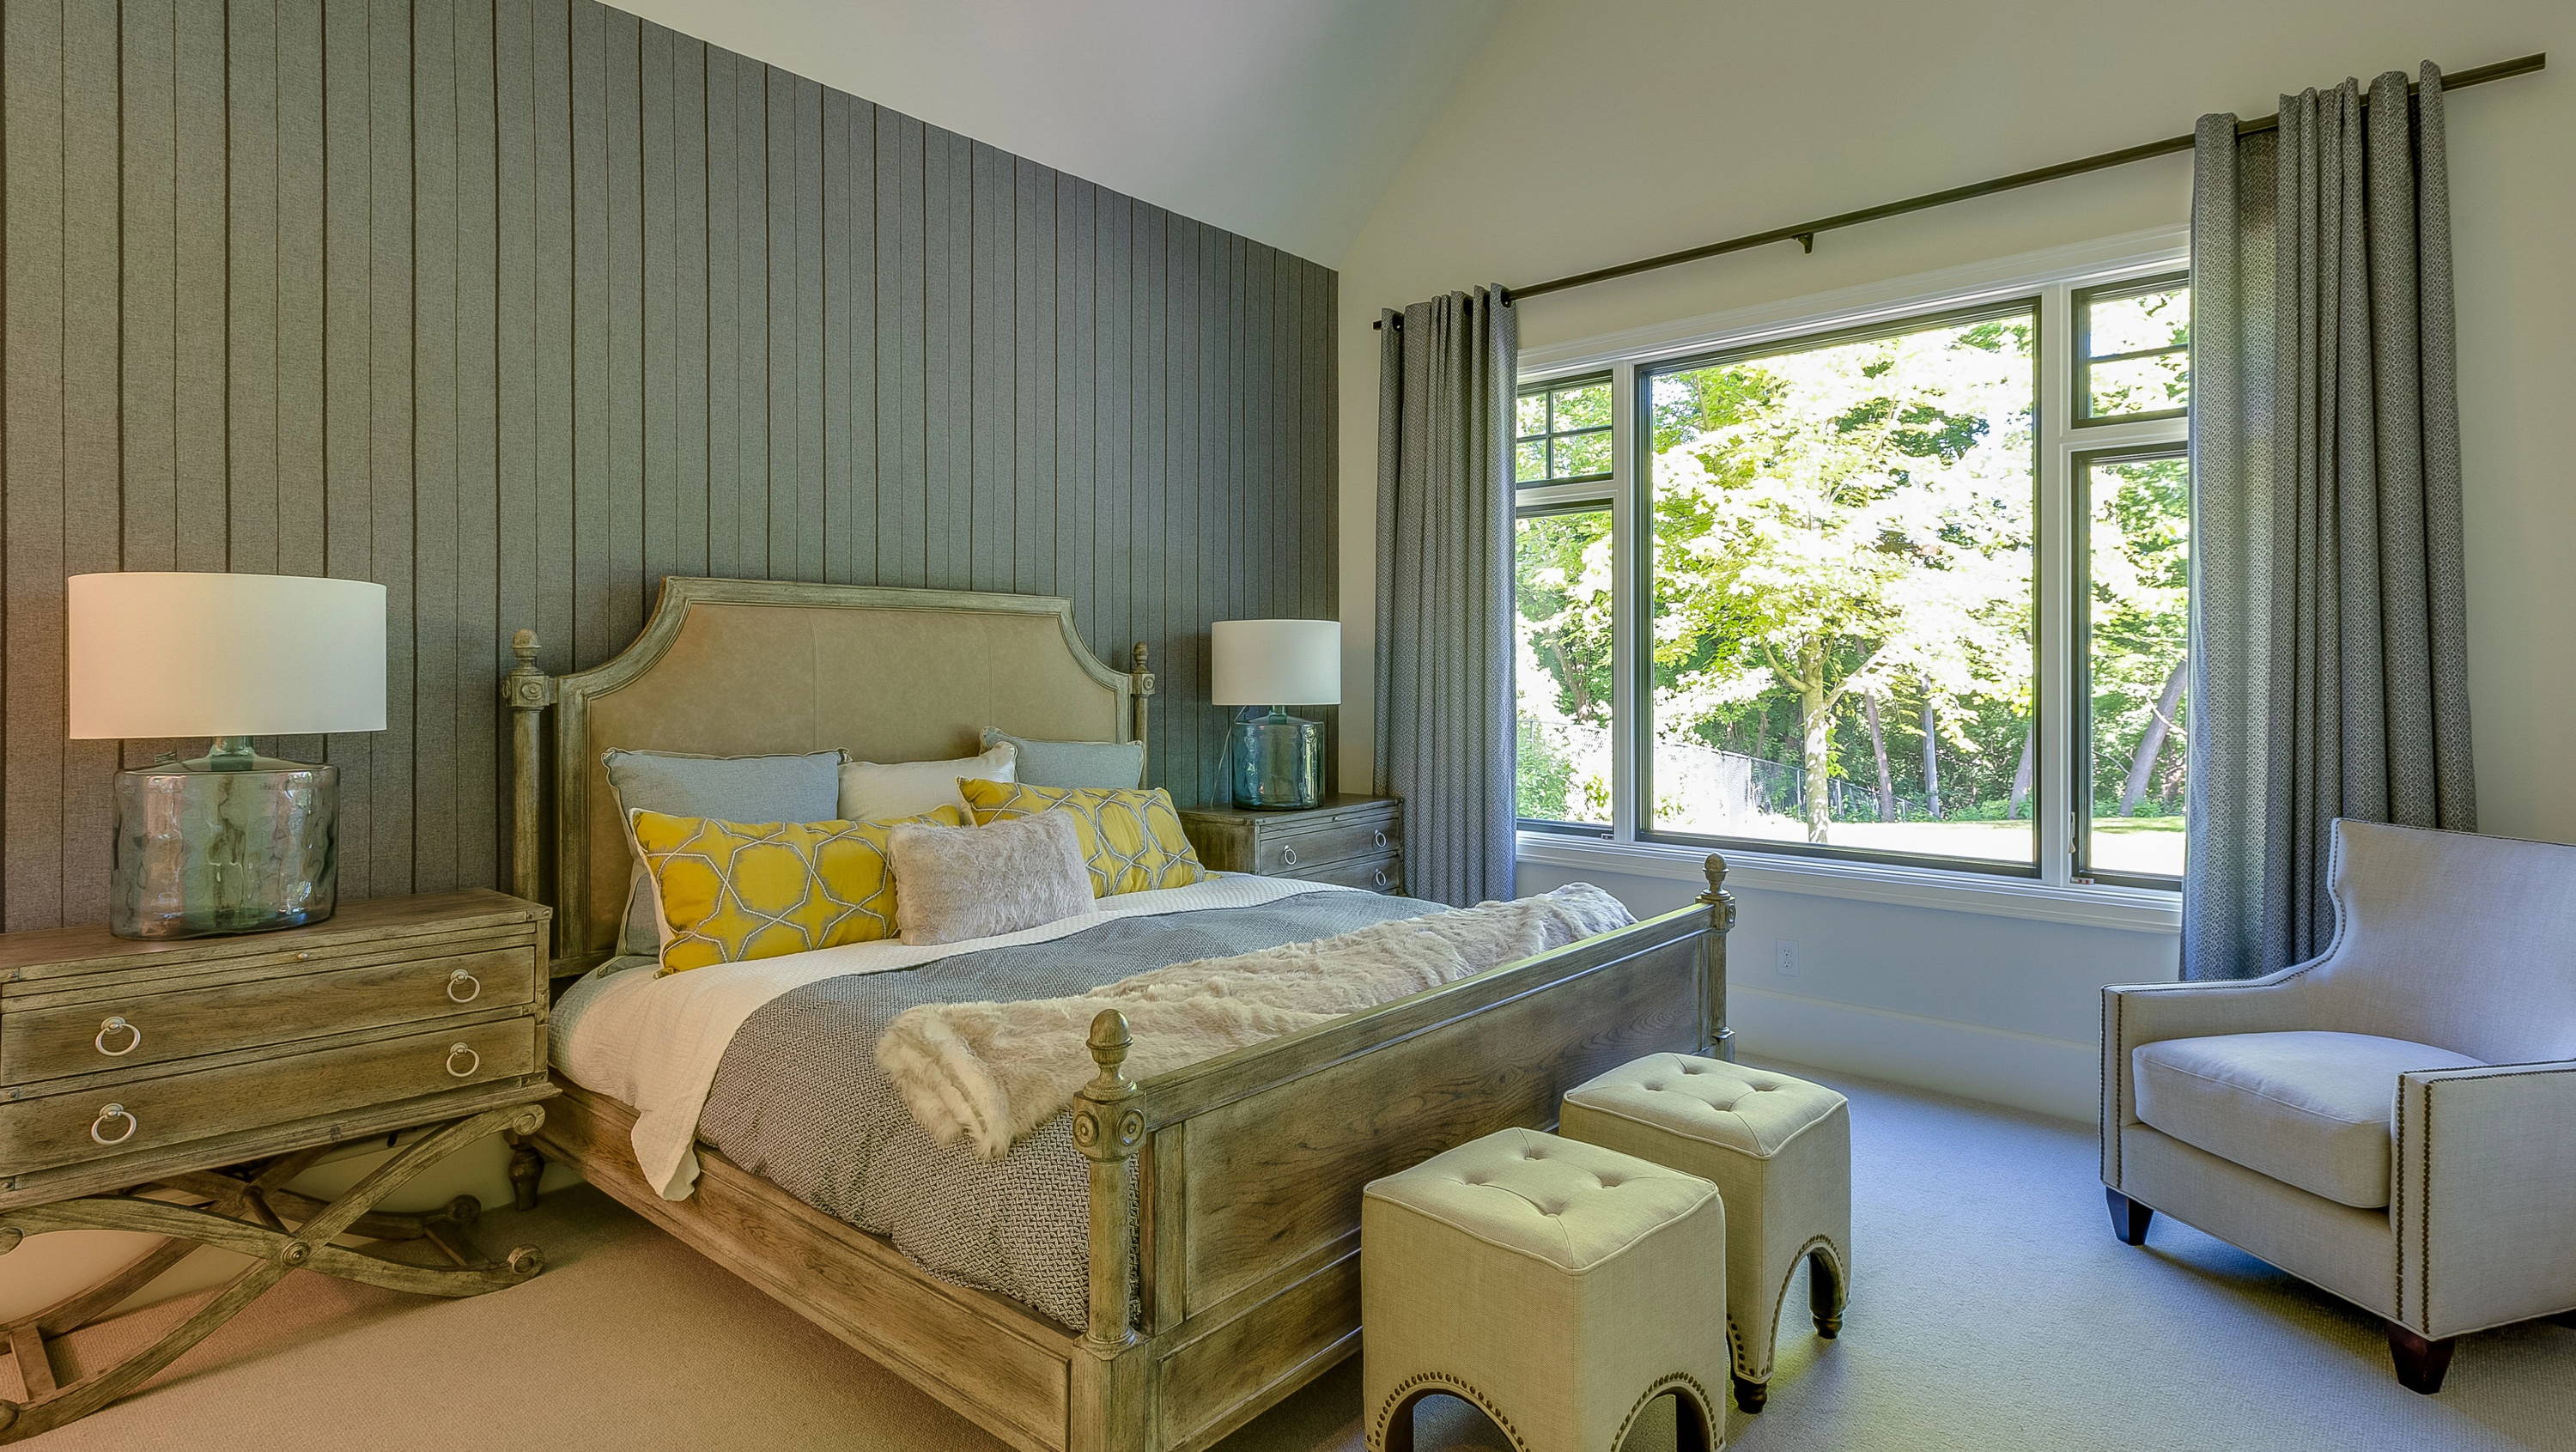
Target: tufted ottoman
(1560, 1287)
(1778, 1149)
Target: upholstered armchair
(2394, 1121)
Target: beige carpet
(1991, 1312)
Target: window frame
(2057, 892)
(2079, 398)
(1640, 725)
(2080, 785)
(1547, 437)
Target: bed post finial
(1109, 1127)
(1721, 918)
(527, 692)
(1140, 689)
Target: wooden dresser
(1352, 840)
(213, 1071)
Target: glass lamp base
(1278, 762)
(227, 843)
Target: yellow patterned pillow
(729, 892)
(1132, 839)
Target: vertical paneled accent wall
(518, 306)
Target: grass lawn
(2120, 844)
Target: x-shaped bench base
(249, 1210)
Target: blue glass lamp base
(1278, 762)
(227, 843)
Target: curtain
(2329, 669)
(1446, 373)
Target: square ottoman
(1777, 1148)
(1560, 1287)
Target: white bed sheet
(655, 1042)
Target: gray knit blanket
(799, 1099)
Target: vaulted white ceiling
(1280, 119)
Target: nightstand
(1352, 840)
(212, 1071)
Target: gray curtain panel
(1446, 372)
(2329, 671)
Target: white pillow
(909, 788)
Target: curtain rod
(1804, 233)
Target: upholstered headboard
(753, 667)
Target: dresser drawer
(1377, 874)
(173, 1109)
(1289, 854)
(130, 1030)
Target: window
(2133, 350)
(1563, 584)
(1786, 592)
(2133, 596)
(1842, 551)
(1564, 433)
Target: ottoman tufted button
(1654, 1088)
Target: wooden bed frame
(1225, 1194)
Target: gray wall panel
(517, 306)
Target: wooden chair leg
(2128, 1217)
(1826, 1293)
(1752, 1396)
(527, 1168)
(2421, 1362)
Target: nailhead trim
(1396, 1395)
(1674, 1382)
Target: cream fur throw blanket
(987, 1073)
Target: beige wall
(1592, 134)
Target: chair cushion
(1750, 1110)
(1570, 1204)
(2309, 1109)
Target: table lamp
(1278, 758)
(232, 841)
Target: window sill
(2127, 909)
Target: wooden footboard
(1249, 1167)
(1242, 1236)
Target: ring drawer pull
(1380, 875)
(1288, 855)
(472, 985)
(1380, 835)
(473, 1061)
(114, 1111)
(118, 1024)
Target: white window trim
(2139, 910)
(2052, 275)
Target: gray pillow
(1119, 764)
(955, 883)
(728, 788)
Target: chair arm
(2147, 1012)
(2481, 1204)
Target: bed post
(1712, 958)
(1140, 690)
(527, 692)
(1109, 1394)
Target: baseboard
(2055, 1077)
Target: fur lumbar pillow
(955, 883)
(987, 1073)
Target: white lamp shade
(225, 655)
(1276, 662)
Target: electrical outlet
(1788, 956)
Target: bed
(1218, 1203)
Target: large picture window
(1906, 590)
(1842, 551)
